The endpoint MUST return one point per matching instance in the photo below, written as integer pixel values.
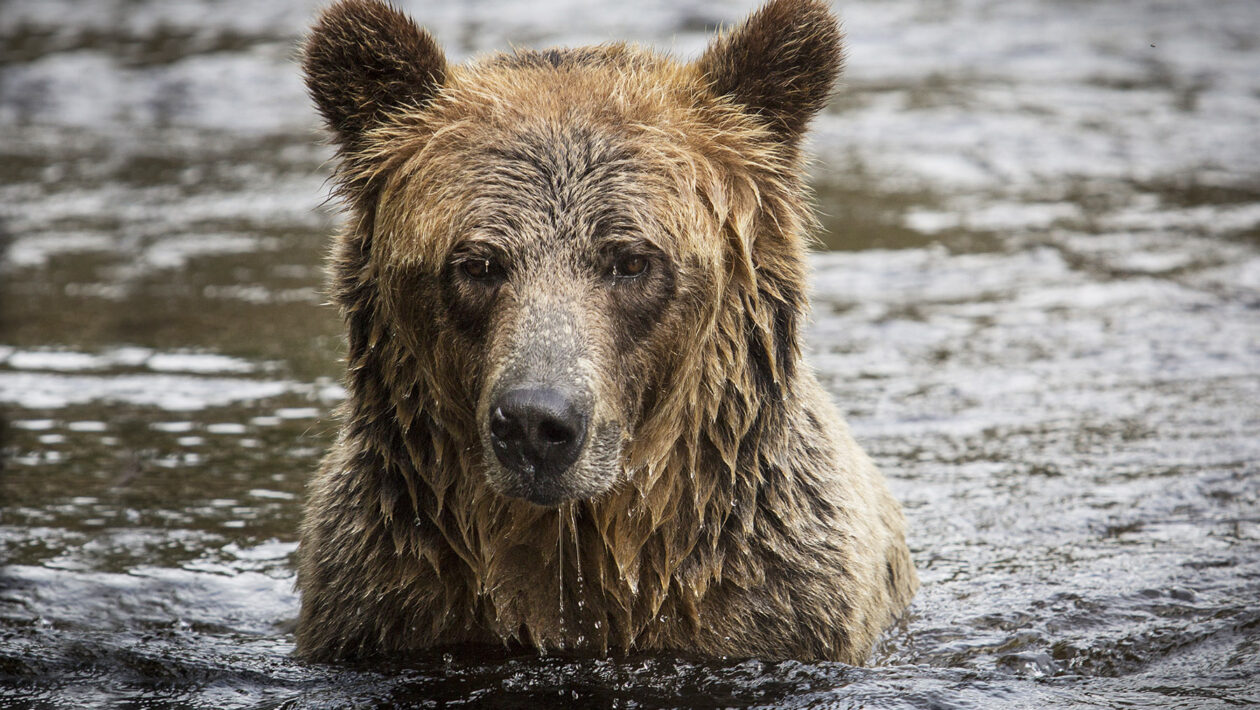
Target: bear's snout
(537, 432)
(549, 424)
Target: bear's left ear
(364, 59)
(780, 63)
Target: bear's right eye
(479, 268)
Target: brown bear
(577, 417)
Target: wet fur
(742, 519)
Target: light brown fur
(730, 512)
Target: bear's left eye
(630, 266)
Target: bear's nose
(537, 431)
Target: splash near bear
(573, 283)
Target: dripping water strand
(560, 563)
(577, 551)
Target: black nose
(537, 431)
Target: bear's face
(544, 268)
(552, 234)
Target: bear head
(574, 262)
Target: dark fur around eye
(469, 284)
(641, 298)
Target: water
(1040, 312)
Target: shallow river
(1039, 308)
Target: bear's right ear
(364, 59)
